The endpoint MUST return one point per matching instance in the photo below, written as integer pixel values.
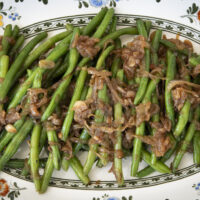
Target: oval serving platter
(69, 180)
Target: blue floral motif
(197, 188)
(98, 3)
(13, 16)
(112, 198)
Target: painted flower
(1, 20)
(4, 188)
(198, 15)
(98, 3)
(13, 16)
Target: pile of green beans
(68, 82)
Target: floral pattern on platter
(8, 12)
(193, 13)
(99, 3)
(107, 197)
(43, 1)
(197, 188)
(9, 192)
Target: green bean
(8, 136)
(43, 138)
(83, 138)
(2, 134)
(49, 74)
(144, 80)
(35, 142)
(137, 146)
(48, 171)
(94, 147)
(113, 25)
(141, 28)
(8, 81)
(186, 141)
(156, 40)
(182, 118)
(19, 163)
(154, 57)
(158, 165)
(45, 46)
(171, 70)
(116, 61)
(34, 155)
(15, 142)
(5, 41)
(196, 147)
(117, 34)
(94, 22)
(14, 50)
(23, 89)
(82, 77)
(148, 26)
(78, 169)
(15, 163)
(69, 27)
(53, 142)
(65, 163)
(118, 145)
(4, 64)
(15, 32)
(155, 118)
(62, 69)
(58, 94)
(183, 115)
(148, 170)
(194, 60)
(173, 47)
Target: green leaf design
(69, 20)
(1, 5)
(191, 171)
(169, 27)
(4, 13)
(15, 184)
(190, 10)
(130, 198)
(85, 4)
(145, 183)
(47, 24)
(191, 20)
(125, 21)
(181, 28)
(168, 179)
(59, 24)
(124, 198)
(11, 195)
(111, 3)
(38, 30)
(80, 5)
(81, 21)
(45, 2)
(114, 4)
(194, 8)
(159, 22)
